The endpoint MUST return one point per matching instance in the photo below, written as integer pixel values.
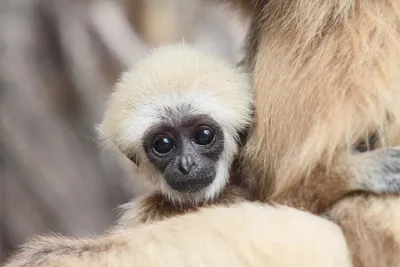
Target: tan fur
(326, 74)
(371, 226)
(324, 77)
(245, 234)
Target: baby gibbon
(181, 115)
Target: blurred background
(59, 60)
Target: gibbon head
(179, 115)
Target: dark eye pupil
(163, 145)
(204, 136)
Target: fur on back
(326, 74)
(172, 82)
(245, 234)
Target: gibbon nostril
(186, 163)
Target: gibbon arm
(245, 234)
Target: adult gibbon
(181, 116)
(327, 92)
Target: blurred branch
(53, 85)
(116, 32)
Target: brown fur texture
(370, 225)
(326, 75)
(338, 83)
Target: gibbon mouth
(191, 186)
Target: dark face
(186, 153)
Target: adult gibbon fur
(181, 115)
(327, 93)
(244, 234)
(326, 73)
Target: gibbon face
(180, 115)
(186, 152)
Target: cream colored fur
(178, 80)
(246, 234)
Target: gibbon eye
(368, 144)
(163, 145)
(204, 136)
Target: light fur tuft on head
(174, 81)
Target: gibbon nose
(186, 163)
